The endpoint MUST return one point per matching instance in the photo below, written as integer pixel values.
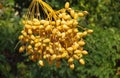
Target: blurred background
(103, 60)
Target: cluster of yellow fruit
(53, 40)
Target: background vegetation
(103, 60)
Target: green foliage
(9, 31)
(103, 60)
(9, 27)
(103, 47)
(102, 12)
